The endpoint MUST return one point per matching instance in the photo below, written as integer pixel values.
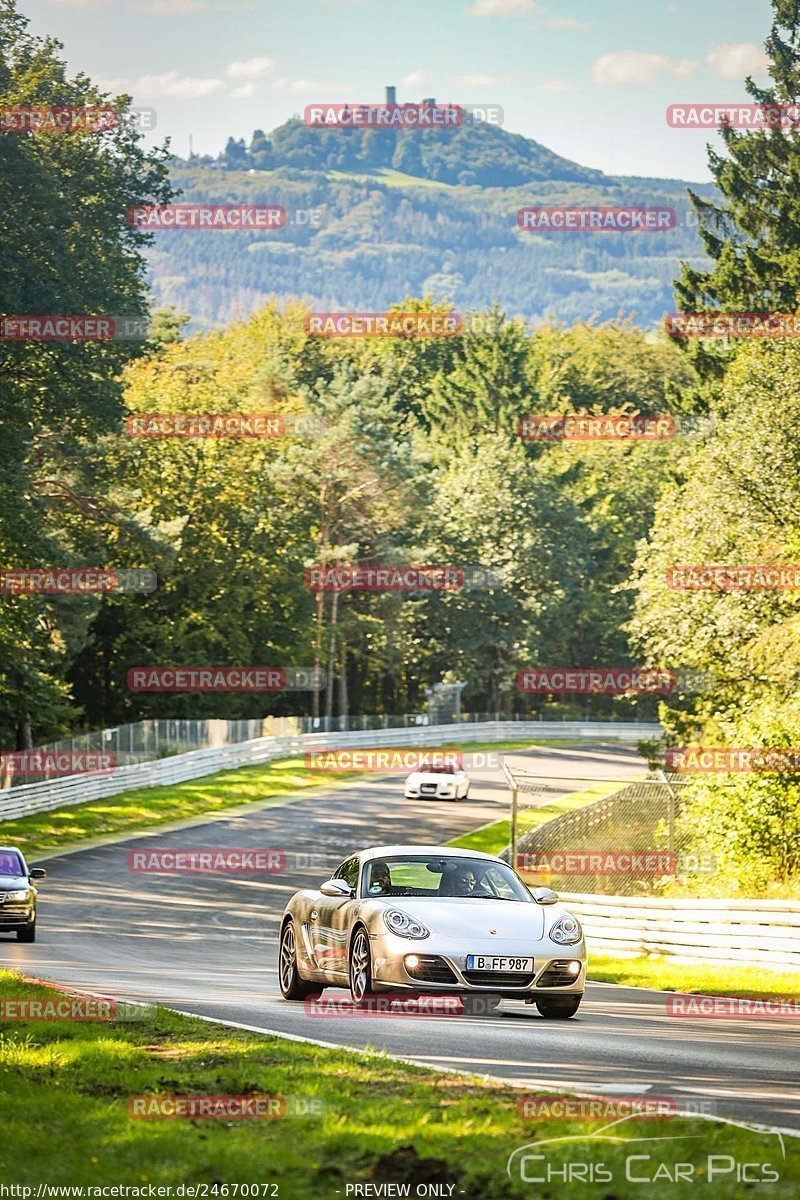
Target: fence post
(514, 809)
(670, 810)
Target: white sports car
(443, 781)
(432, 919)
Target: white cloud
(416, 79)
(479, 81)
(243, 91)
(634, 68)
(169, 86)
(554, 85)
(735, 60)
(565, 23)
(502, 8)
(249, 68)
(685, 68)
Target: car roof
(448, 851)
(11, 850)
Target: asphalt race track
(207, 944)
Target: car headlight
(21, 895)
(566, 931)
(403, 925)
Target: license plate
(486, 962)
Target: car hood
(13, 883)
(464, 917)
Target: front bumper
(16, 915)
(443, 968)
(425, 792)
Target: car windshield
(437, 876)
(439, 768)
(10, 863)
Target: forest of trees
(409, 454)
(379, 238)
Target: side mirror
(543, 895)
(337, 888)
(37, 873)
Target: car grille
(557, 974)
(427, 789)
(498, 978)
(432, 969)
(9, 911)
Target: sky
(590, 79)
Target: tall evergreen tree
(753, 234)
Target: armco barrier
(78, 789)
(760, 932)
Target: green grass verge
(145, 808)
(66, 1119)
(701, 978)
(491, 839)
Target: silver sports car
(432, 919)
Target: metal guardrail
(757, 932)
(78, 789)
(144, 741)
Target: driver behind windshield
(380, 881)
(461, 882)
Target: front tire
(558, 1008)
(360, 966)
(27, 933)
(292, 986)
